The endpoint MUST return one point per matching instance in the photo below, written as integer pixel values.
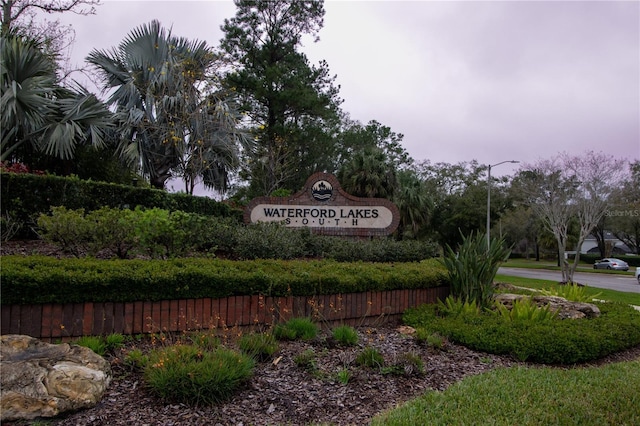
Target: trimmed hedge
(39, 279)
(25, 196)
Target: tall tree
(38, 116)
(172, 120)
(292, 105)
(356, 137)
(24, 17)
(369, 174)
(414, 203)
(571, 187)
(459, 194)
(623, 215)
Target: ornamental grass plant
(345, 335)
(473, 267)
(191, 375)
(296, 328)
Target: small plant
(411, 364)
(205, 340)
(296, 328)
(260, 346)
(187, 374)
(95, 343)
(344, 376)
(345, 335)
(525, 310)
(572, 292)
(306, 360)
(370, 357)
(406, 364)
(9, 226)
(114, 341)
(432, 340)
(455, 306)
(136, 359)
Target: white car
(638, 274)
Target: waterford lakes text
(325, 216)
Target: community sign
(323, 206)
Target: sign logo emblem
(322, 190)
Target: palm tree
(413, 202)
(169, 119)
(39, 115)
(368, 174)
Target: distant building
(590, 245)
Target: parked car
(638, 274)
(611, 263)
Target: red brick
(129, 311)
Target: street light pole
(489, 199)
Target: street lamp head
(502, 162)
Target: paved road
(627, 283)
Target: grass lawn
(553, 266)
(599, 293)
(608, 395)
(543, 395)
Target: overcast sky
(486, 81)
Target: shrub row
(25, 196)
(549, 342)
(153, 233)
(39, 279)
(158, 233)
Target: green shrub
(269, 241)
(307, 360)
(70, 229)
(114, 341)
(190, 375)
(370, 357)
(383, 249)
(296, 328)
(473, 267)
(549, 342)
(113, 230)
(136, 359)
(219, 234)
(345, 335)
(28, 196)
(95, 343)
(40, 279)
(260, 346)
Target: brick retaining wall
(59, 321)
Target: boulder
(565, 308)
(43, 380)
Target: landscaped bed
(284, 392)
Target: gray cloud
(461, 80)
